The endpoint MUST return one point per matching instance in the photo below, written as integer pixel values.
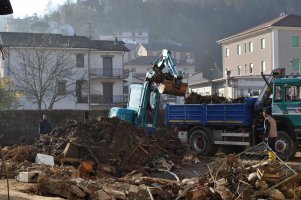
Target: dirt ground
(15, 191)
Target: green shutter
(295, 41)
(295, 64)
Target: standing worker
(44, 126)
(270, 128)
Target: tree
(45, 75)
(8, 98)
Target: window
(238, 49)
(263, 66)
(262, 43)
(239, 70)
(295, 63)
(295, 41)
(250, 46)
(81, 91)
(80, 61)
(241, 92)
(278, 93)
(107, 63)
(227, 52)
(292, 93)
(188, 56)
(251, 68)
(61, 87)
(245, 47)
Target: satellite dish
(282, 14)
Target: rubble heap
(110, 159)
(195, 98)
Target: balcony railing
(102, 72)
(101, 99)
(115, 99)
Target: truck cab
(286, 109)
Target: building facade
(271, 45)
(97, 66)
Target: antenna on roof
(290, 9)
(90, 30)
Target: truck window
(292, 93)
(288, 93)
(278, 94)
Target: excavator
(144, 99)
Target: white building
(97, 62)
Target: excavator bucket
(173, 87)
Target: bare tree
(39, 72)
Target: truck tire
(201, 142)
(232, 149)
(285, 146)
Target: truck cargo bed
(211, 114)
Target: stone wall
(21, 126)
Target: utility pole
(290, 7)
(89, 68)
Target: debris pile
(195, 98)
(249, 175)
(110, 159)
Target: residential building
(273, 44)
(98, 67)
(133, 36)
(181, 53)
(132, 53)
(17, 25)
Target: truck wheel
(201, 143)
(232, 149)
(285, 146)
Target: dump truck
(232, 127)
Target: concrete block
(44, 159)
(101, 195)
(134, 189)
(28, 177)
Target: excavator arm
(170, 82)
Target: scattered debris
(110, 159)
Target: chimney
(115, 41)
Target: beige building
(263, 48)
(271, 45)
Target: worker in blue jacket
(44, 126)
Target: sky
(22, 8)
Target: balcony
(115, 99)
(106, 73)
(104, 100)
